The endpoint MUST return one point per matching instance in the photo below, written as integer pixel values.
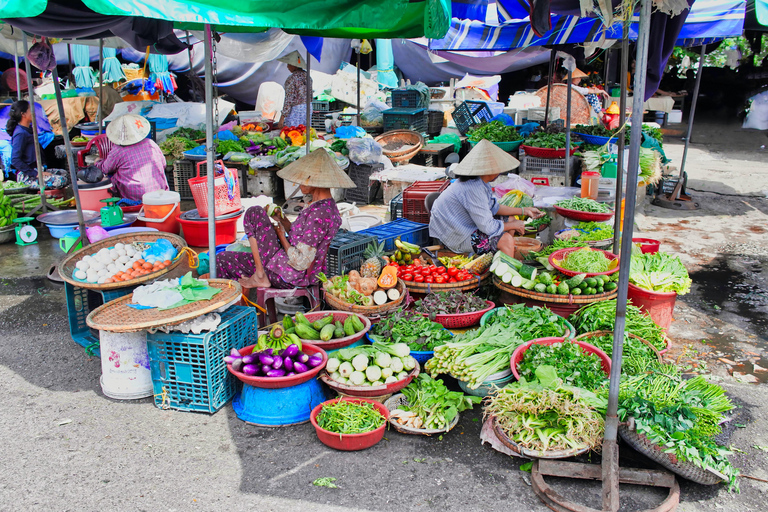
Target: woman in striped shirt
(463, 217)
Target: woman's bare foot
(255, 281)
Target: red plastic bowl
(339, 316)
(349, 442)
(196, 232)
(461, 320)
(369, 391)
(583, 216)
(559, 255)
(281, 382)
(647, 245)
(517, 355)
(546, 152)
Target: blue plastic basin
(279, 407)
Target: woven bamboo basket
(534, 454)
(656, 453)
(556, 299)
(596, 334)
(581, 111)
(395, 401)
(118, 316)
(393, 142)
(67, 267)
(368, 311)
(462, 286)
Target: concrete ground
(67, 447)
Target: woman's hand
(532, 212)
(515, 226)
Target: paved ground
(67, 447)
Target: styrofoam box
(675, 117)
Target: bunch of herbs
(434, 403)
(417, 331)
(574, 365)
(452, 302)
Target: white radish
(393, 294)
(379, 297)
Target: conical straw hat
(577, 73)
(318, 169)
(128, 129)
(294, 59)
(484, 159)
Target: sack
(364, 151)
(41, 55)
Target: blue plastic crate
(188, 370)
(80, 302)
(407, 230)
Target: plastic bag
(41, 55)
(161, 250)
(372, 117)
(651, 143)
(237, 157)
(364, 150)
(90, 174)
(262, 162)
(757, 118)
(504, 118)
(516, 199)
(349, 132)
(527, 129)
(448, 138)
(515, 182)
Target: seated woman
(290, 255)
(462, 217)
(23, 159)
(136, 164)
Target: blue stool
(279, 407)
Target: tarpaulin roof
(328, 18)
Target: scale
(111, 215)
(25, 234)
(672, 194)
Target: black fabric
(541, 22)
(71, 19)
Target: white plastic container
(675, 117)
(159, 210)
(125, 373)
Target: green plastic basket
(506, 146)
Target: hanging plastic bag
(348, 132)
(364, 150)
(504, 118)
(448, 138)
(515, 183)
(41, 55)
(516, 199)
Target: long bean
(601, 316)
(584, 205)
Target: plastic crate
(406, 230)
(396, 207)
(346, 252)
(470, 113)
(406, 98)
(413, 199)
(188, 370)
(414, 119)
(545, 171)
(366, 190)
(318, 119)
(434, 122)
(183, 170)
(323, 106)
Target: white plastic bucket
(125, 373)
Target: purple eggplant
(265, 368)
(288, 364)
(268, 352)
(315, 360)
(291, 350)
(237, 364)
(250, 369)
(276, 373)
(301, 358)
(291, 374)
(278, 363)
(230, 359)
(265, 359)
(299, 367)
(235, 353)
(249, 359)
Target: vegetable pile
(173, 147)
(475, 355)
(532, 224)
(322, 329)
(660, 272)
(583, 204)
(588, 232)
(430, 404)
(449, 303)
(556, 245)
(273, 363)
(635, 354)
(588, 261)
(189, 133)
(599, 131)
(7, 211)
(354, 289)
(546, 414)
(601, 316)
(416, 331)
(346, 417)
(546, 140)
(419, 273)
(494, 131)
(578, 367)
(10, 184)
(370, 365)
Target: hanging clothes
(112, 70)
(159, 74)
(83, 73)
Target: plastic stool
(265, 297)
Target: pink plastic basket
(226, 196)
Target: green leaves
(494, 131)
(577, 367)
(660, 272)
(418, 332)
(434, 403)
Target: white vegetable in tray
(383, 360)
(390, 379)
(346, 369)
(396, 365)
(386, 373)
(373, 373)
(332, 365)
(360, 362)
(409, 363)
(357, 378)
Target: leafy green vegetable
(325, 482)
(534, 224)
(449, 303)
(546, 140)
(225, 146)
(594, 231)
(601, 316)
(583, 204)
(190, 133)
(494, 131)
(417, 331)
(586, 260)
(345, 417)
(599, 131)
(434, 403)
(635, 353)
(555, 246)
(660, 272)
(577, 367)
(174, 147)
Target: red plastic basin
(517, 355)
(647, 245)
(196, 232)
(658, 305)
(349, 442)
(338, 316)
(281, 382)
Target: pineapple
(374, 260)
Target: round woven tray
(548, 297)
(533, 454)
(595, 334)
(460, 320)
(117, 316)
(395, 401)
(581, 111)
(67, 267)
(656, 453)
(400, 138)
(369, 391)
(462, 286)
(368, 311)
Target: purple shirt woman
(285, 254)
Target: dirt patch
(685, 222)
(757, 229)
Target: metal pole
(16, 62)
(549, 85)
(358, 88)
(610, 462)
(309, 106)
(69, 60)
(622, 120)
(210, 151)
(38, 151)
(101, 82)
(189, 52)
(568, 132)
(693, 109)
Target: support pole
(101, 83)
(358, 87)
(35, 135)
(210, 151)
(610, 462)
(69, 60)
(70, 156)
(568, 132)
(309, 106)
(189, 52)
(16, 62)
(550, 81)
(693, 110)
(622, 120)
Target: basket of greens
(578, 363)
(505, 137)
(636, 351)
(415, 330)
(453, 309)
(595, 234)
(597, 134)
(546, 145)
(583, 209)
(584, 260)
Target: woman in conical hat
(295, 105)
(463, 217)
(285, 254)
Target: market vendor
(23, 155)
(135, 164)
(593, 95)
(295, 106)
(285, 254)
(462, 217)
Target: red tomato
(439, 279)
(429, 279)
(407, 277)
(425, 272)
(452, 280)
(433, 267)
(409, 268)
(452, 271)
(442, 270)
(419, 279)
(416, 263)
(464, 277)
